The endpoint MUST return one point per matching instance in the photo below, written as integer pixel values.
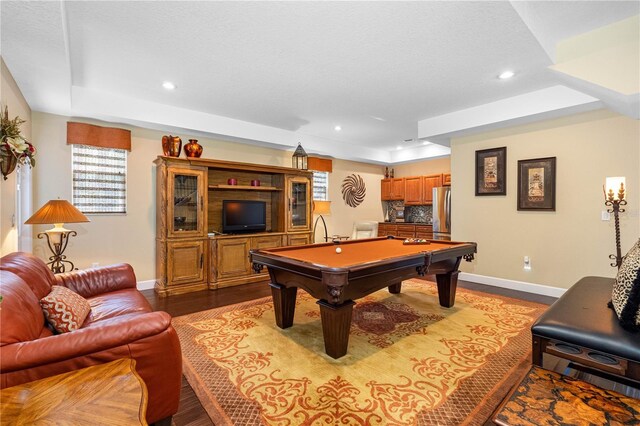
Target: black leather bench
(581, 328)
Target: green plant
(13, 143)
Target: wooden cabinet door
(233, 257)
(430, 182)
(385, 189)
(265, 242)
(298, 204)
(424, 231)
(386, 230)
(397, 189)
(186, 199)
(298, 239)
(413, 190)
(446, 179)
(185, 262)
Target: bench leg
(538, 345)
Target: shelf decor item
(193, 149)
(171, 146)
(15, 150)
(537, 184)
(57, 212)
(299, 158)
(491, 171)
(255, 182)
(614, 193)
(232, 181)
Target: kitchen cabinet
(413, 192)
(446, 179)
(392, 189)
(405, 230)
(428, 183)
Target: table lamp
(320, 208)
(57, 212)
(614, 191)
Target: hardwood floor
(190, 411)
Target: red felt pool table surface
(357, 252)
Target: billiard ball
(338, 250)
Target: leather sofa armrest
(94, 281)
(102, 336)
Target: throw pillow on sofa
(625, 298)
(65, 309)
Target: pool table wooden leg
(336, 323)
(395, 288)
(284, 304)
(447, 284)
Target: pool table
(361, 267)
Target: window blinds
(320, 185)
(99, 179)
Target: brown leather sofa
(121, 324)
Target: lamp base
(58, 262)
(326, 234)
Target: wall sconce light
(299, 159)
(320, 208)
(614, 191)
(57, 212)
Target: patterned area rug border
(501, 369)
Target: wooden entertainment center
(192, 253)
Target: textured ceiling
(374, 68)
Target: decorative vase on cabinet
(171, 146)
(193, 149)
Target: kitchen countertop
(408, 223)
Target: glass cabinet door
(299, 203)
(186, 189)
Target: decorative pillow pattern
(625, 299)
(65, 309)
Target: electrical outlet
(606, 216)
(527, 263)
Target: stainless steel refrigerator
(442, 213)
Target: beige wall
(426, 167)
(131, 238)
(11, 97)
(571, 242)
(342, 217)
(127, 238)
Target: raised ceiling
(274, 73)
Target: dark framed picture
(537, 184)
(491, 171)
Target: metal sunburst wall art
(353, 190)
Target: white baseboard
(146, 285)
(541, 289)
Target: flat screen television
(243, 216)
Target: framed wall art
(491, 171)
(537, 184)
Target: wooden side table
(111, 393)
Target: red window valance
(103, 137)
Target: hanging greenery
(15, 150)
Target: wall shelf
(245, 187)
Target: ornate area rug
(409, 360)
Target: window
(99, 179)
(321, 186)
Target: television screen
(244, 216)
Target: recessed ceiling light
(377, 118)
(426, 143)
(398, 147)
(337, 128)
(506, 74)
(168, 85)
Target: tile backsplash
(414, 214)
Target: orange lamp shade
(321, 207)
(57, 211)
